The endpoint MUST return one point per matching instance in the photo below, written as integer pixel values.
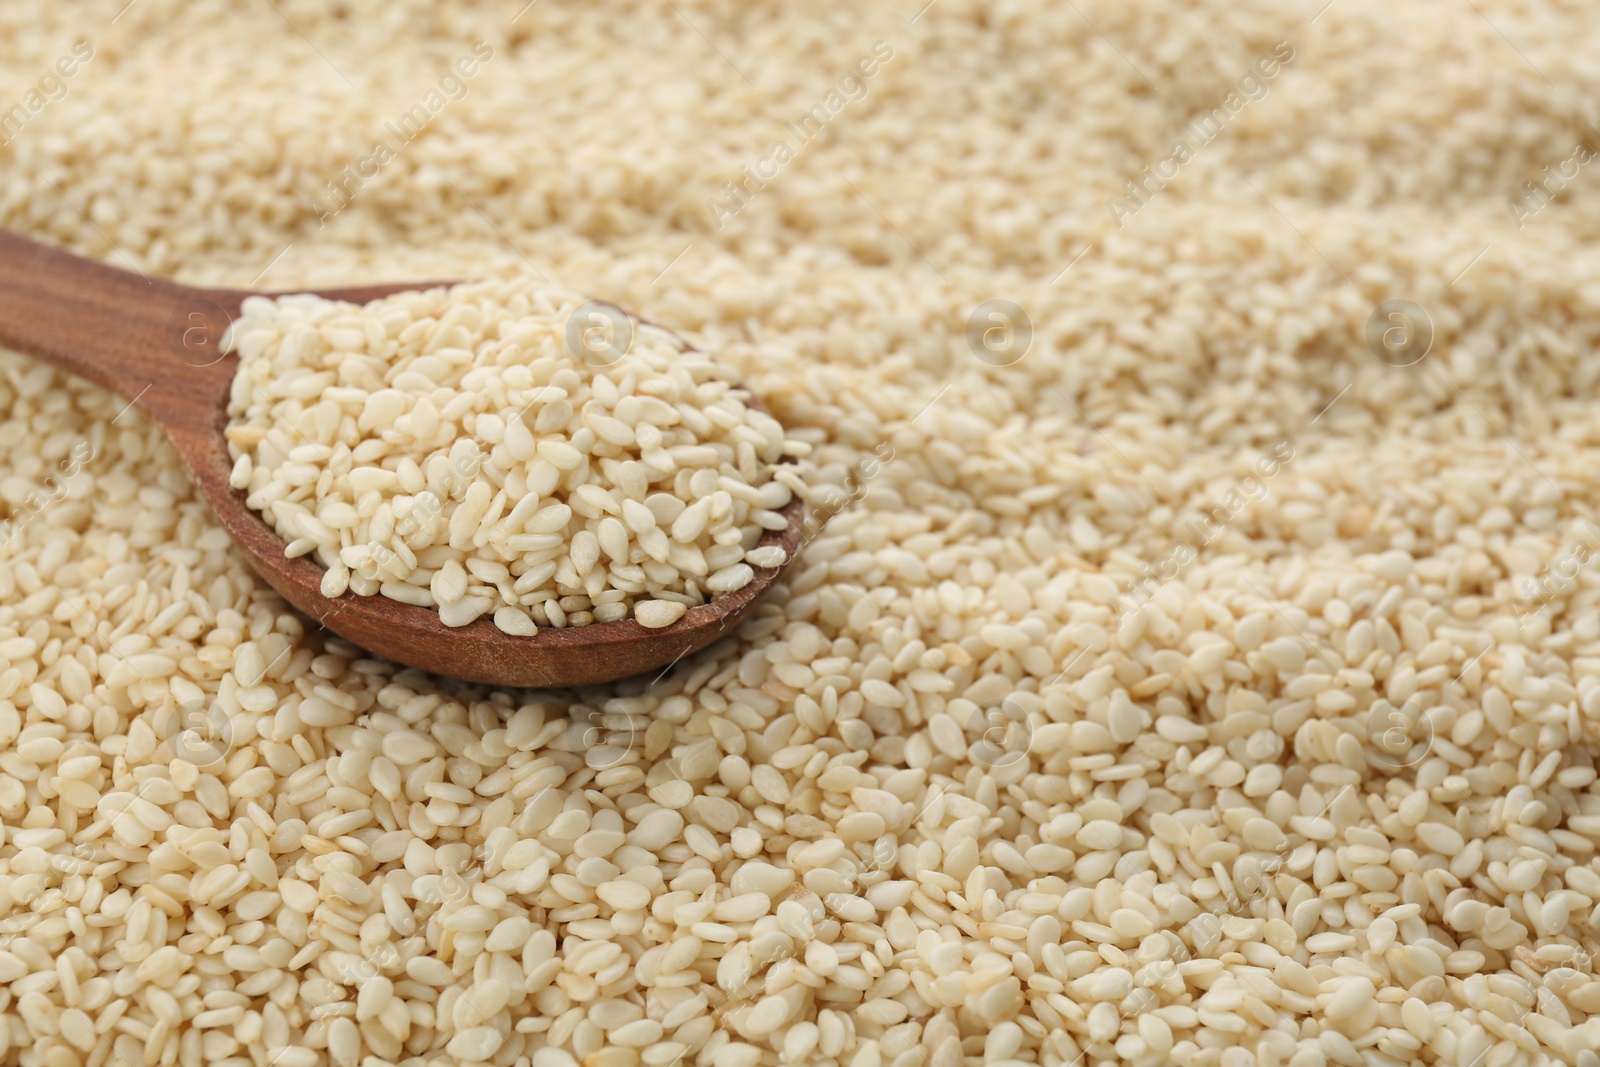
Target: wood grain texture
(156, 343)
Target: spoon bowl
(158, 344)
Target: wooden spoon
(158, 344)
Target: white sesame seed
(658, 613)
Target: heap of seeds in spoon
(503, 449)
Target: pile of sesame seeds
(503, 448)
(1072, 736)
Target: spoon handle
(148, 339)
